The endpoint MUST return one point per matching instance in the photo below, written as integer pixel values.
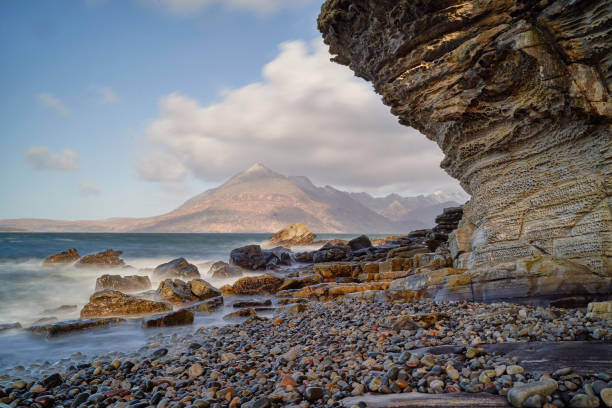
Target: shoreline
(325, 353)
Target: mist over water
(29, 291)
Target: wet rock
(292, 235)
(361, 242)
(331, 252)
(252, 303)
(254, 285)
(207, 306)
(303, 257)
(105, 259)
(248, 257)
(131, 283)
(176, 318)
(114, 303)
(202, 289)
(301, 282)
(67, 257)
(313, 393)
(223, 270)
(518, 394)
(177, 268)
(584, 401)
(55, 329)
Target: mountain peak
(258, 168)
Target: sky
(129, 107)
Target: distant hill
(261, 200)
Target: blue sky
(126, 108)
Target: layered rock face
(518, 96)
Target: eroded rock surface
(517, 95)
(105, 259)
(67, 257)
(114, 303)
(294, 234)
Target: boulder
(105, 259)
(55, 329)
(331, 252)
(67, 257)
(248, 257)
(223, 270)
(518, 95)
(361, 242)
(114, 303)
(292, 235)
(179, 317)
(175, 291)
(177, 268)
(202, 289)
(255, 285)
(132, 283)
(304, 257)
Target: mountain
(261, 200)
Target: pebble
(329, 351)
(606, 396)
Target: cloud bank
(40, 157)
(307, 116)
(50, 101)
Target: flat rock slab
(417, 399)
(583, 357)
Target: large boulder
(178, 291)
(175, 291)
(292, 235)
(109, 303)
(202, 289)
(63, 258)
(223, 270)
(248, 257)
(361, 242)
(177, 268)
(255, 285)
(517, 94)
(105, 259)
(332, 252)
(132, 283)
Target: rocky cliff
(517, 95)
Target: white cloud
(186, 7)
(89, 189)
(307, 116)
(105, 95)
(52, 102)
(40, 157)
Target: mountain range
(261, 200)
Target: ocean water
(29, 292)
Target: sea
(30, 292)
